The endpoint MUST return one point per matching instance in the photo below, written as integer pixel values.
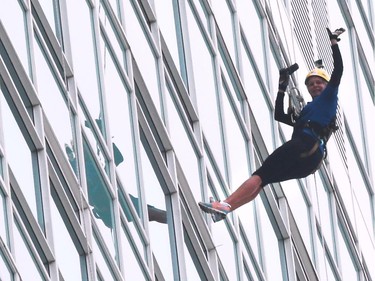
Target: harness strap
(311, 151)
(323, 133)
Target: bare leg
(245, 193)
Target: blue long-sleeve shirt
(322, 109)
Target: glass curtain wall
(117, 117)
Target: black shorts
(286, 162)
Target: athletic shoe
(215, 207)
(216, 216)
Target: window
(19, 145)
(5, 272)
(14, 20)
(206, 90)
(155, 198)
(28, 265)
(56, 103)
(100, 199)
(70, 260)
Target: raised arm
(280, 115)
(338, 66)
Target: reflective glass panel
(193, 268)
(132, 268)
(17, 148)
(68, 258)
(239, 169)
(141, 42)
(249, 263)
(180, 137)
(206, 91)
(117, 45)
(105, 272)
(13, 19)
(322, 207)
(256, 98)
(49, 8)
(300, 210)
(132, 228)
(226, 249)
(93, 129)
(120, 121)
(25, 261)
(366, 40)
(247, 215)
(5, 271)
(348, 268)
(53, 98)
(99, 199)
(156, 212)
(368, 109)
(251, 24)
(273, 266)
(3, 218)
(224, 19)
(167, 13)
(83, 52)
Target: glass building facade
(117, 117)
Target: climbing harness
(322, 134)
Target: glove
(283, 80)
(335, 34)
(284, 74)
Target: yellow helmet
(320, 72)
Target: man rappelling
(303, 154)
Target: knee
(256, 180)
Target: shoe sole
(217, 217)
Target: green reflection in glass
(99, 197)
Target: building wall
(117, 117)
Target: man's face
(315, 86)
